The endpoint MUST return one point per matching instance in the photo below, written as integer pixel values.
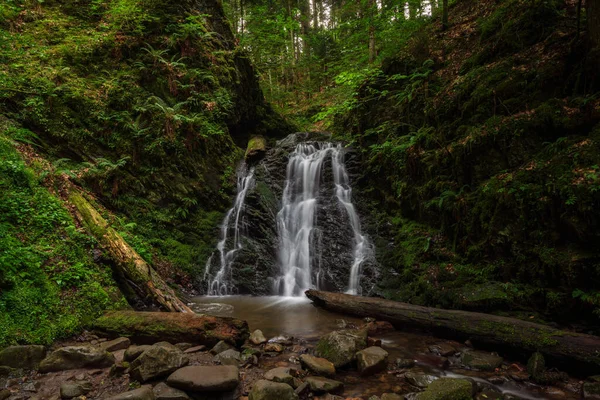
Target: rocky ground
(344, 364)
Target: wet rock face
(256, 264)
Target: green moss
(447, 389)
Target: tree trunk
(372, 12)
(577, 351)
(140, 276)
(444, 15)
(593, 21)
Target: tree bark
(572, 350)
(138, 273)
(372, 12)
(593, 21)
(444, 15)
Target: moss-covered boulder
(481, 361)
(74, 357)
(448, 389)
(340, 347)
(27, 357)
(267, 390)
(256, 150)
(151, 327)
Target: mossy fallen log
(152, 327)
(140, 276)
(575, 351)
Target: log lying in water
(140, 276)
(575, 351)
(152, 327)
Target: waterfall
(296, 220)
(220, 285)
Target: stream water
(297, 317)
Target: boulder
(273, 347)
(317, 365)
(143, 393)
(194, 349)
(371, 360)
(340, 347)
(205, 378)
(481, 361)
(162, 391)
(183, 346)
(323, 385)
(257, 337)
(267, 390)
(281, 375)
(220, 347)
(158, 361)
(591, 390)
(404, 363)
(4, 394)
(256, 150)
(73, 357)
(175, 327)
(448, 389)
(69, 390)
(419, 379)
(134, 352)
(228, 357)
(26, 357)
(117, 344)
(443, 349)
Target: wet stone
(443, 349)
(117, 344)
(317, 365)
(340, 347)
(591, 390)
(183, 346)
(71, 390)
(320, 385)
(419, 379)
(371, 360)
(134, 352)
(26, 357)
(281, 375)
(158, 361)
(273, 347)
(448, 388)
(194, 349)
(220, 347)
(257, 337)
(143, 393)
(391, 396)
(267, 390)
(482, 361)
(404, 363)
(205, 378)
(162, 391)
(73, 357)
(228, 357)
(489, 395)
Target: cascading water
(296, 220)
(220, 285)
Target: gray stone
(281, 375)
(404, 363)
(273, 347)
(371, 360)
(419, 379)
(267, 390)
(134, 352)
(392, 396)
(482, 361)
(591, 390)
(257, 337)
(73, 357)
(70, 390)
(340, 347)
(317, 365)
(220, 347)
(205, 378)
(117, 344)
(31, 387)
(156, 362)
(321, 385)
(4, 394)
(195, 349)
(162, 391)
(228, 357)
(183, 346)
(448, 388)
(443, 349)
(26, 357)
(143, 393)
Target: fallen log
(137, 273)
(576, 351)
(145, 327)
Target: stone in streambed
(371, 360)
(205, 378)
(392, 396)
(134, 352)
(194, 349)
(404, 363)
(591, 390)
(257, 337)
(443, 349)
(340, 347)
(448, 389)
(143, 393)
(419, 379)
(114, 345)
(536, 366)
(281, 375)
(481, 361)
(26, 357)
(158, 361)
(228, 357)
(73, 357)
(220, 347)
(183, 346)
(317, 365)
(162, 391)
(70, 390)
(267, 390)
(273, 347)
(323, 385)
(4, 394)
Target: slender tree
(444, 14)
(593, 21)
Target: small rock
(419, 379)
(162, 391)
(71, 390)
(317, 365)
(373, 342)
(404, 363)
(195, 349)
(257, 337)
(73, 357)
(267, 390)
(205, 378)
(183, 346)
(134, 352)
(320, 385)
(143, 393)
(117, 344)
(591, 390)
(273, 347)
(448, 388)
(371, 360)
(220, 347)
(340, 347)
(4, 394)
(228, 357)
(119, 368)
(281, 375)
(80, 377)
(284, 340)
(443, 349)
(302, 388)
(482, 361)
(31, 387)
(379, 327)
(158, 361)
(26, 357)
(392, 396)
(497, 379)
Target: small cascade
(296, 220)
(228, 246)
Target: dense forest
(466, 137)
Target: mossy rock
(256, 150)
(340, 347)
(448, 389)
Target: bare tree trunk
(444, 15)
(372, 12)
(593, 21)
(138, 273)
